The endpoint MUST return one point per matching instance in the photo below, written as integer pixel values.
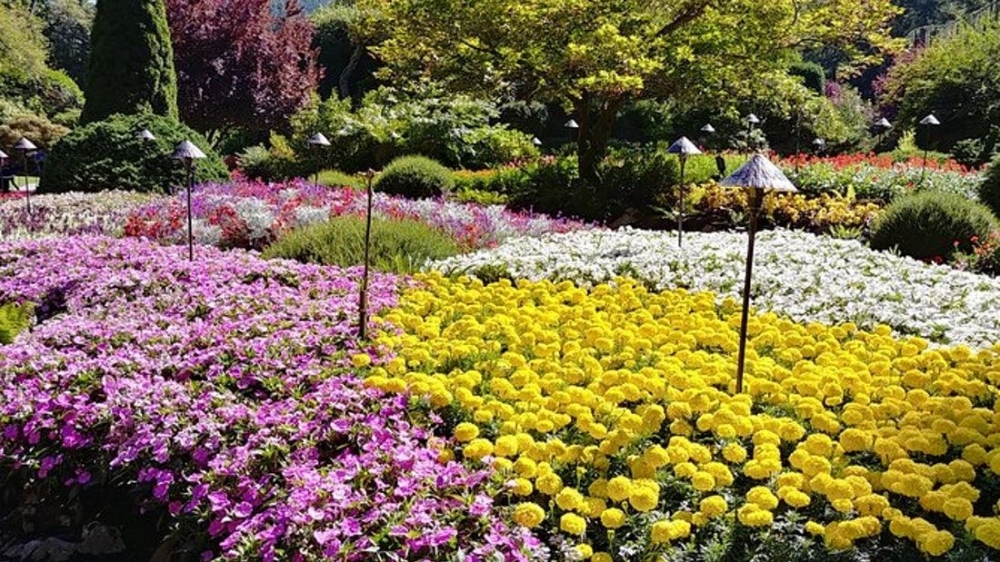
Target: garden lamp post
(757, 175)
(882, 126)
(683, 148)
(572, 124)
(3, 160)
(363, 303)
(25, 147)
(187, 152)
(536, 141)
(708, 129)
(928, 122)
(751, 121)
(318, 141)
(819, 144)
(145, 135)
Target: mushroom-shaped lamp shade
(930, 120)
(708, 128)
(319, 140)
(25, 145)
(753, 119)
(536, 141)
(572, 124)
(145, 135)
(819, 143)
(883, 123)
(3, 155)
(683, 147)
(186, 150)
(759, 173)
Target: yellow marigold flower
(661, 532)
(793, 497)
(584, 551)
(762, 497)
(988, 532)
(529, 515)
(569, 499)
(958, 509)
(937, 543)
(753, 516)
(506, 446)
(525, 467)
(702, 481)
(361, 360)
(814, 528)
(601, 557)
(713, 506)
(619, 488)
(477, 449)
(465, 432)
(643, 499)
(612, 518)
(549, 484)
(521, 487)
(854, 440)
(573, 524)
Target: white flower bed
(806, 277)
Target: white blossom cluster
(800, 275)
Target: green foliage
(813, 76)
(415, 177)
(989, 189)
(932, 225)
(107, 155)
(455, 130)
(14, 319)
(40, 130)
(349, 67)
(958, 78)
(336, 178)
(25, 80)
(131, 68)
(67, 28)
(397, 245)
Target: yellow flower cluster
(614, 409)
(792, 210)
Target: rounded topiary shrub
(107, 155)
(989, 188)
(928, 225)
(415, 177)
(397, 245)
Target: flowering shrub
(613, 415)
(808, 278)
(68, 214)
(878, 177)
(221, 391)
(248, 214)
(815, 213)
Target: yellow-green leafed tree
(593, 56)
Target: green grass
(14, 319)
(336, 178)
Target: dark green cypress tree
(131, 66)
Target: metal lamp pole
(683, 148)
(751, 121)
(363, 304)
(25, 147)
(319, 141)
(928, 122)
(187, 152)
(757, 175)
(882, 125)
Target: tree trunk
(344, 84)
(597, 122)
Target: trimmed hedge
(415, 177)
(932, 225)
(107, 155)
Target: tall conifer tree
(131, 66)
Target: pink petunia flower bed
(251, 214)
(221, 392)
